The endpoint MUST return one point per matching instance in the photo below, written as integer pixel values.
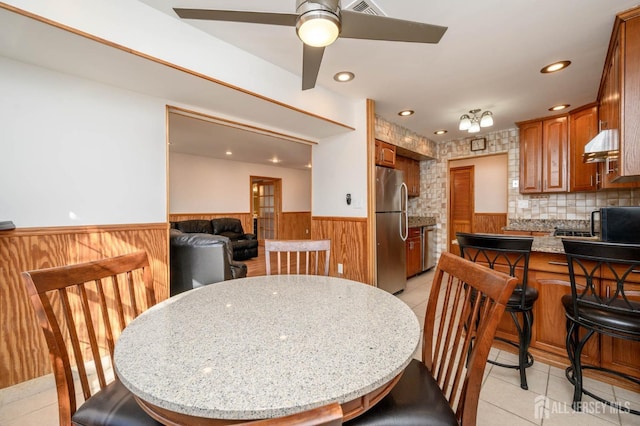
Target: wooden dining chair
(311, 251)
(82, 310)
(326, 415)
(466, 303)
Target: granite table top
(266, 346)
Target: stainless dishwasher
(428, 247)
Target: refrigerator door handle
(404, 200)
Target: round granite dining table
(265, 347)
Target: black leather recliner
(245, 245)
(199, 259)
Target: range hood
(602, 148)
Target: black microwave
(617, 224)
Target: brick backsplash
(433, 197)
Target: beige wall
(490, 182)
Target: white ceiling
(190, 134)
(489, 58)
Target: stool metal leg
(575, 345)
(525, 359)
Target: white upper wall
(144, 29)
(340, 168)
(75, 152)
(78, 152)
(205, 185)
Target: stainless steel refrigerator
(391, 229)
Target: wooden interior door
(266, 207)
(461, 201)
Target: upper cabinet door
(554, 150)
(531, 157)
(583, 126)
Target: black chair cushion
(530, 296)
(415, 400)
(112, 406)
(603, 318)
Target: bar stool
(591, 309)
(508, 254)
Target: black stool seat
(515, 301)
(616, 318)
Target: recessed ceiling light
(556, 66)
(440, 132)
(275, 160)
(344, 76)
(559, 107)
(228, 152)
(406, 113)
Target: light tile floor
(502, 401)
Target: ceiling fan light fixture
(318, 28)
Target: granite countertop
(266, 346)
(545, 225)
(419, 221)
(548, 244)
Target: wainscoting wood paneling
(489, 223)
(23, 349)
(245, 218)
(349, 241)
(295, 226)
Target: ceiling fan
(320, 22)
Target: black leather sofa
(199, 259)
(245, 245)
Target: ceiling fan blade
(311, 59)
(287, 19)
(372, 27)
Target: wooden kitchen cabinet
(385, 154)
(620, 354)
(411, 170)
(414, 252)
(583, 126)
(619, 100)
(543, 155)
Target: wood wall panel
(295, 226)
(489, 223)
(245, 218)
(349, 245)
(23, 350)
